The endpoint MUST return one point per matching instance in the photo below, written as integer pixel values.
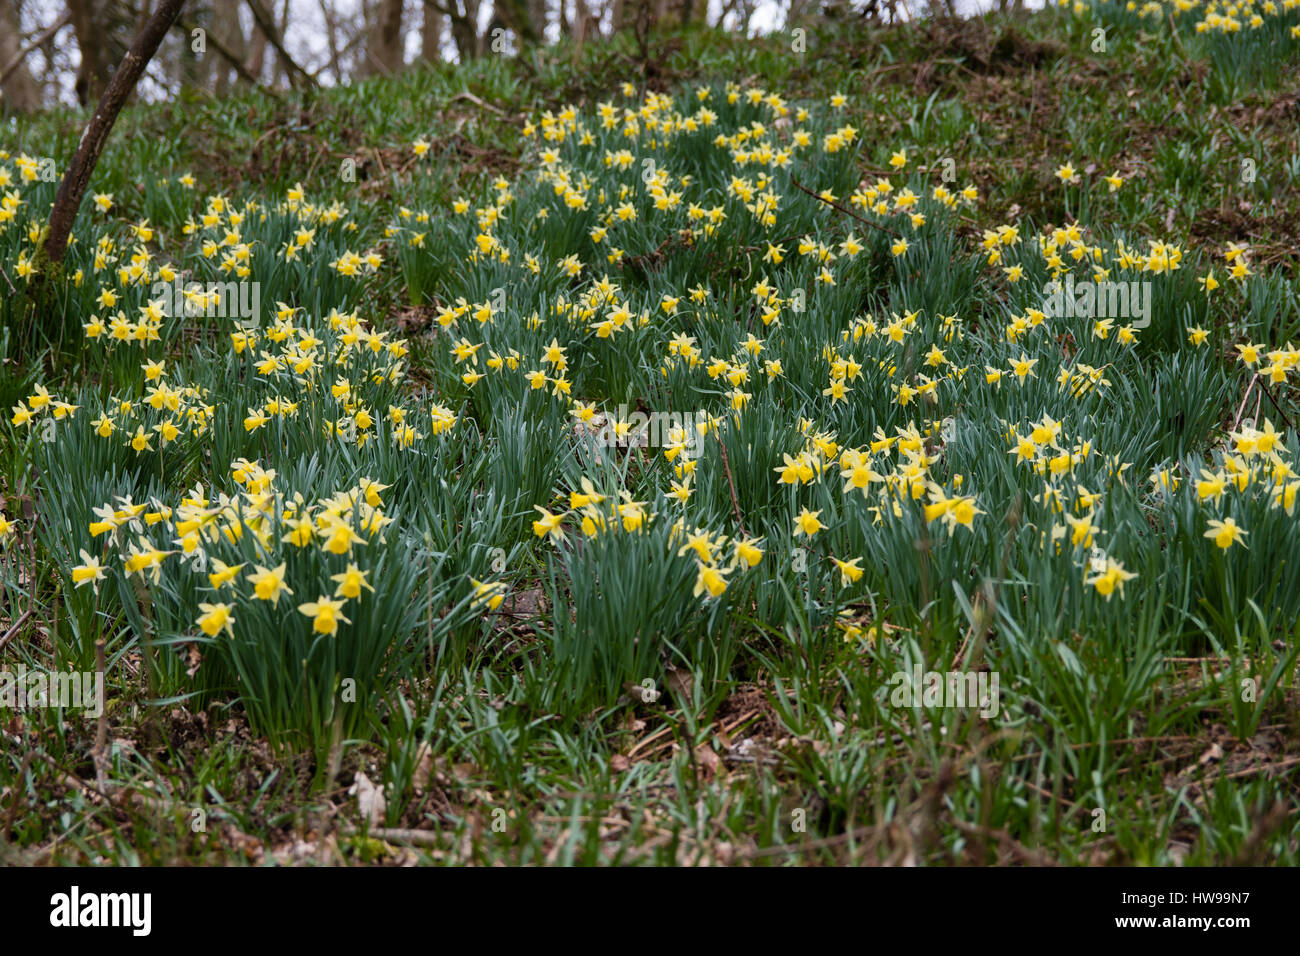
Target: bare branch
(33, 44)
(77, 178)
(266, 23)
(848, 212)
(226, 54)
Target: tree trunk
(191, 68)
(228, 31)
(431, 34)
(537, 19)
(89, 21)
(464, 28)
(20, 91)
(287, 67)
(332, 40)
(586, 24)
(257, 51)
(517, 18)
(384, 43)
(119, 89)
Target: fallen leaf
(525, 604)
(192, 659)
(370, 799)
(708, 762)
(680, 681)
(424, 765)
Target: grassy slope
(1009, 101)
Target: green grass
(606, 711)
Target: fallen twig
(1275, 404)
(17, 625)
(396, 835)
(848, 212)
(731, 486)
(466, 95)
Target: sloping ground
(688, 652)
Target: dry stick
(112, 794)
(335, 760)
(1109, 743)
(33, 44)
(392, 835)
(881, 70)
(77, 178)
(69, 779)
(1013, 522)
(666, 729)
(29, 512)
(1275, 404)
(654, 736)
(668, 744)
(1007, 841)
(1046, 793)
(21, 799)
(1249, 771)
(731, 486)
(1033, 95)
(619, 799)
(848, 212)
(101, 726)
(466, 95)
(970, 631)
(1253, 850)
(584, 818)
(822, 843)
(1173, 29)
(9, 634)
